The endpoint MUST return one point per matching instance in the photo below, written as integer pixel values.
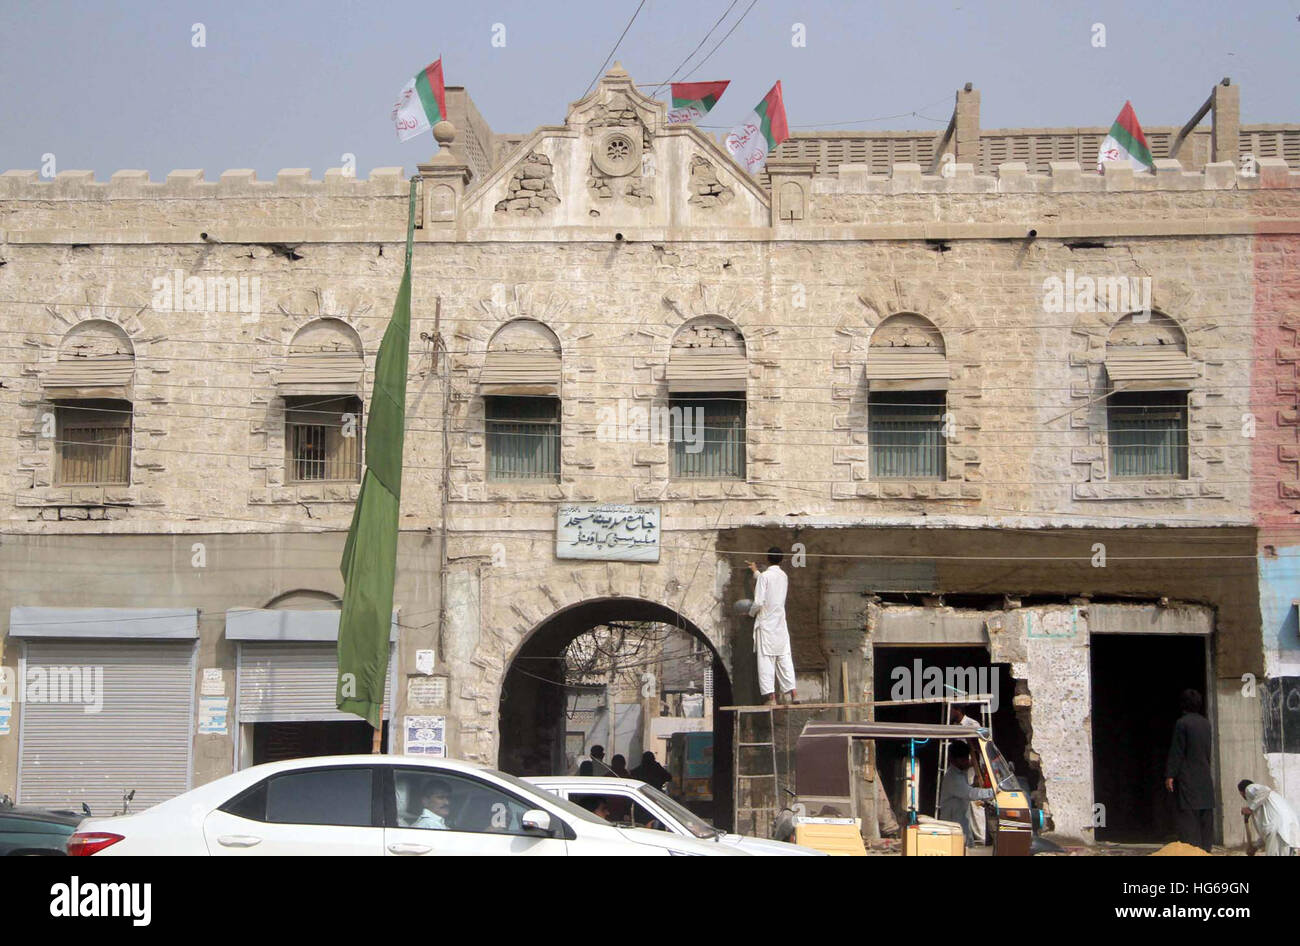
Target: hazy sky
(105, 86)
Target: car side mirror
(536, 821)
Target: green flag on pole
(370, 555)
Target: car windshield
(688, 819)
(1003, 775)
(532, 791)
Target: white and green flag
(761, 130)
(422, 103)
(693, 100)
(1126, 142)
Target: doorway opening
(274, 742)
(1136, 682)
(632, 676)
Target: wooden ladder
(755, 779)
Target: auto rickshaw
(828, 793)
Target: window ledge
(80, 495)
(337, 492)
(908, 489)
(1148, 489)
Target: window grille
(323, 439)
(95, 443)
(905, 433)
(523, 438)
(708, 436)
(1147, 434)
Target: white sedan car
(374, 805)
(635, 803)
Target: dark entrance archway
(532, 721)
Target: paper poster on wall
(6, 713)
(214, 684)
(427, 691)
(214, 711)
(425, 735)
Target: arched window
(907, 386)
(91, 387)
(1150, 374)
(321, 384)
(708, 374)
(520, 384)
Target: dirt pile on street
(1179, 849)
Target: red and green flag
(692, 100)
(422, 104)
(1126, 142)
(761, 130)
(369, 563)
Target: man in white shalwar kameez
(1273, 819)
(978, 821)
(771, 635)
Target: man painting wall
(771, 634)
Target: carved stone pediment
(616, 103)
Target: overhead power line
(673, 74)
(601, 71)
(721, 41)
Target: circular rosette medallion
(618, 154)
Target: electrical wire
(601, 71)
(696, 67)
(673, 74)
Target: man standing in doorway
(771, 635)
(1189, 774)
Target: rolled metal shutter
(321, 373)
(1154, 364)
(140, 739)
(907, 368)
(706, 369)
(294, 682)
(107, 376)
(521, 373)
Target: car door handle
(409, 848)
(238, 840)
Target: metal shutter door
(294, 682)
(139, 740)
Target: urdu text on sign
(608, 532)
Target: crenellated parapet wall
(187, 208)
(1014, 177)
(1067, 201)
(130, 207)
(135, 185)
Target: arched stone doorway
(531, 723)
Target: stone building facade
(922, 368)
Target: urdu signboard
(608, 532)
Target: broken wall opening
(896, 669)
